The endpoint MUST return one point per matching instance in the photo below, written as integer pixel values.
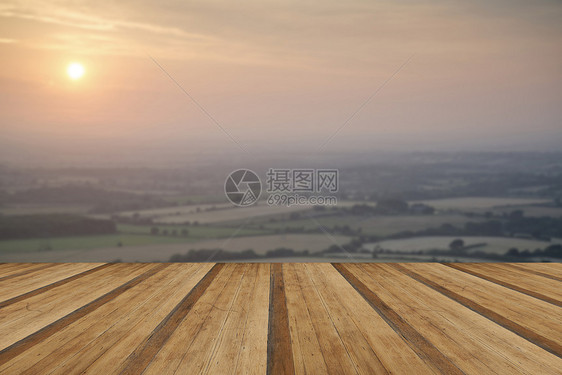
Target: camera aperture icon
(242, 187)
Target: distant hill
(101, 200)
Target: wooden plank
(196, 334)
(145, 353)
(42, 315)
(554, 267)
(46, 288)
(506, 307)
(76, 347)
(279, 351)
(11, 268)
(307, 352)
(532, 268)
(423, 347)
(252, 358)
(550, 268)
(314, 318)
(335, 353)
(8, 268)
(200, 353)
(46, 355)
(373, 346)
(532, 285)
(114, 356)
(26, 283)
(23, 318)
(252, 297)
(548, 286)
(23, 269)
(474, 343)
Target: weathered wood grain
(48, 287)
(21, 284)
(373, 346)
(75, 348)
(423, 347)
(502, 305)
(279, 351)
(302, 318)
(28, 342)
(535, 268)
(25, 269)
(474, 343)
(23, 318)
(143, 355)
(532, 285)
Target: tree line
(52, 225)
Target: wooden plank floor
(292, 318)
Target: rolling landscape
(420, 207)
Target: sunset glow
(453, 75)
(75, 71)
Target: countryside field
(153, 213)
(532, 211)
(223, 214)
(194, 232)
(372, 225)
(46, 245)
(146, 252)
(492, 245)
(480, 203)
(31, 209)
(127, 236)
(237, 229)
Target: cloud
(293, 65)
(80, 20)
(321, 35)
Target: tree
(184, 232)
(294, 216)
(513, 252)
(154, 230)
(391, 206)
(554, 251)
(516, 214)
(456, 244)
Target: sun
(75, 71)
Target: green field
(33, 209)
(163, 212)
(129, 235)
(194, 199)
(531, 211)
(194, 232)
(145, 251)
(481, 203)
(373, 225)
(86, 242)
(492, 245)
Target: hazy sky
(281, 75)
